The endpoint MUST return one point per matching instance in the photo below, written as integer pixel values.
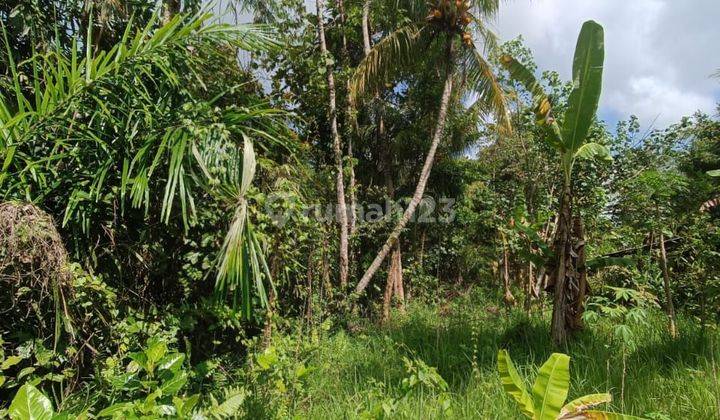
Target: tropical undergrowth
(366, 373)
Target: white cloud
(659, 53)
(657, 101)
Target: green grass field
(360, 374)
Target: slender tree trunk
(399, 287)
(337, 149)
(170, 9)
(422, 181)
(669, 307)
(310, 275)
(529, 287)
(563, 267)
(352, 221)
(508, 297)
(387, 296)
(366, 27)
(394, 283)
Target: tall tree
(394, 281)
(442, 28)
(341, 212)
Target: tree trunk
(422, 181)
(337, 149)
(669, 307)
(170, 9)
(389, 289)
(529, 287)
(563, 268)
(309, 291)
(366, 26)
(508, 297)
(352, 221)
(578, 307)
(394, 283)
(399, 288)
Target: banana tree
(568, 135)
(550, 390)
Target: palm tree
(394, 277)
(341, 212)
(101, 131)
(570, 140)
(440, 30)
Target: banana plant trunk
(569, 279)
(337, 150)
(583, 289)
(422, 181)
(563, 268)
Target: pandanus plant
(568, 135)
(550, 390)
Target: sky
(659, 54)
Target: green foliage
(550, 391)
(570, 137)
(179, 156)
(30, 404)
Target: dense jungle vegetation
(344, 209)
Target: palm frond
(486, 8)
(541, 103)
(241, 266)
(482, 81)
(386, 58)
(123, 123)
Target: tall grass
(356, 372)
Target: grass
(360, 374)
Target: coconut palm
(443, 32)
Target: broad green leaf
(115, 409)
(604, 415)
(590, 151)
(172, 362)
(155, 351)
(173, 385)
(714, 173)
(583, 403)
(513, 384)
(267, 359)
(587, 84)
(551, 387)
(30, 404)
(184, 406)
(10, 362)
(541, 103)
